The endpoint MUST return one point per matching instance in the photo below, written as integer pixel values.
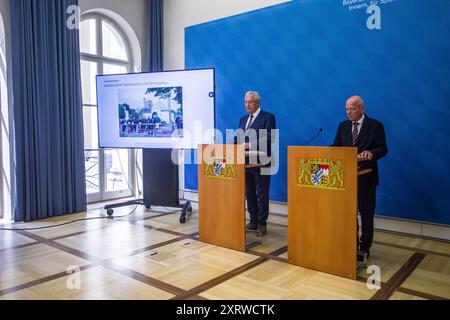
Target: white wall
(179, 14)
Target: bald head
(355, 108)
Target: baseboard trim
(382, 223)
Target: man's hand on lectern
(366, 155)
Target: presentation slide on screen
(156, 110)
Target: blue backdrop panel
(308, 57)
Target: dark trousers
(257, 193)
(367, 189)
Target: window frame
(99, 57)
(100, 60)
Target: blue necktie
(249, 123)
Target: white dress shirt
(255, 115)
(360, 123)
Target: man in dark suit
(256, 127)
(368, 136)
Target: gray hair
(255, 94)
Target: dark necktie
(249, 123)
(355, 133)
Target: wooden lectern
(322, 209)
(221, 195)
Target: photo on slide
(152, 113)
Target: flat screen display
(163, 110)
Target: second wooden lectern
(322, 209)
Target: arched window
(105, 49)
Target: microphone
(313, 138)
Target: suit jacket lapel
(244, 123)
(348, 133)
(258, 118)
(363, 132)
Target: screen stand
(186, 208)
(161, 187)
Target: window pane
(88, 36)
(90, 128)
(113, 44)
(92, 172)
(116, 170)
(114, 69)
(88, 74)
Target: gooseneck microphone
(313, 138)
